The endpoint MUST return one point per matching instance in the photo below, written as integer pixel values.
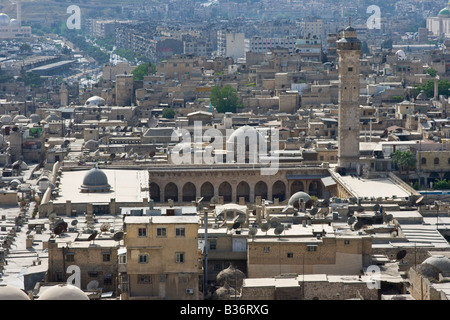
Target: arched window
(436, 160)
(424, 160)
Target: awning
(328, 181)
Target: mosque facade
(440, 25)
(12, 28)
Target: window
(346, 242)
(311, 248)
(122, 259)
(107, 279)
(179, 257)
(180, 232)
(436, 160)
(143, 258)
(143, 279)
(212, 244)
(142, 232)
(266, 249)
(161, 232)
(93, 274)
(350, 69)
(424, 161)
(106, 257)
(70, 257)
(290, 254)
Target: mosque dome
(63, 292)
(91, 145)
(95, 101)
(445, 11)
(5, 119)
(298, 196)
(35, 118)
(14, 23)
(8, 292)
(440, 262)
(19, 117)
(4, 20)
(95, 180)
(52, 117)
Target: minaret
(349, 51)
(19, 13)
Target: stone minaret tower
(349, 51)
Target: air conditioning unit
(190, 291)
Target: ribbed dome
(440, 262)
(95, 180)
(63, 292)
(4, 20)
(8, 292)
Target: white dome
(63, 292)
(14, 23)
(95, 101)
(5, 118)
(35, 118)
(441, 262)
(401, 55)
(4, 20)
(52, 117)
(299, 196)
(8, 292)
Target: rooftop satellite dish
(419, 200)
(388, 218)
(274, 222)
(236, 225)
(376, 207)
(314, 211)
(279, 229)
(401, 254)
(360, 209)
(93, 235)
(74, 222)
(118, 236)
(52, 217)
(265, 227)
(105, 227)
(351, 220)
(60, 227)
(92, 285)
(200, 200)
(214, 200)
(252, 231)
(358, 225)
(241, 219)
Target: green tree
(140, 71)
(225, 99)
(441, 184)
(404, 160)
(428, 88)
(432, 72)
(168, 113)
(25, 47)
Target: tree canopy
(428, 88)
(404, 160)
(168, 113)
(140, 71)
(225, 99)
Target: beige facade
(329, 255)
(162, 257)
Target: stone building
(162, 257)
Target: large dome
(8, 292)
(95, 101)
(440, 262)
(95, 180)
(63, 292)
(4, 20)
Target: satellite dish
(376, 207)
(388, 218)
(52, 217)
(419, 200)
(358, 225)
(92, 285)
(74, 222)
(118, 236)
(60, 227)
(274, 222)
(200, 200)
(360, 209)
(314, 211)
(265, 227)
(351, 220)
(279, 229)
(241, 219)
(236, 225)
(105, 227)
(93, 235)
(252, 231)
(214, 200)
(401, 254)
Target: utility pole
(205, 254)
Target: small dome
(4, 20)
(19, 117)
(35, 118)
(444, 12)
(298, 196)
(63, 292)
(14, 23)
(95, 101)
(91, 145)
(440, 262)
(52, 117)
(4, 119)
(95, 180)
(8, 292)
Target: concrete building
(440, 25)
(12, 28)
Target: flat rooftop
(126, 186)
(379, 187)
